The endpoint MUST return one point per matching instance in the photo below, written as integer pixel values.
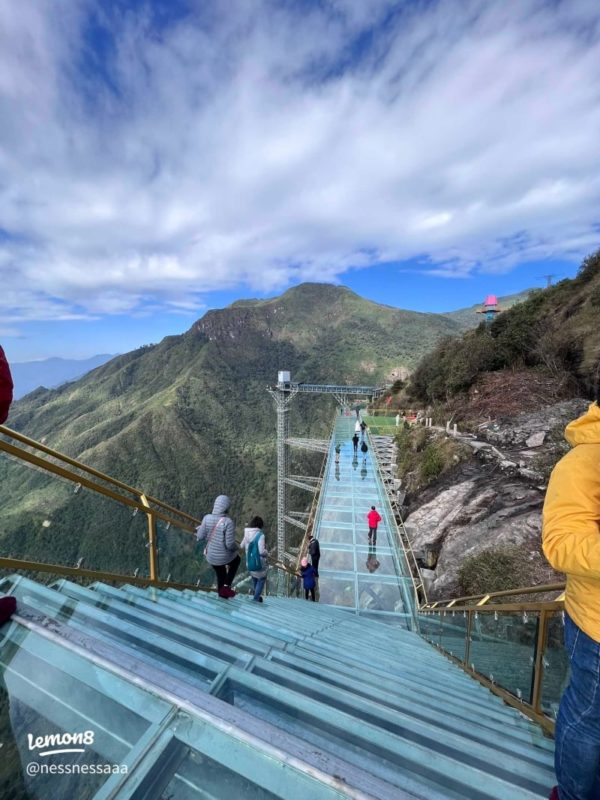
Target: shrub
(494, 570)
(553, 327)
(595, 297)
(432, 463)
(589, 268)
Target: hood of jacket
(249, 533)
(585, 429)
(221, 505)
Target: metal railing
(506, 646)
(419, 590)
(38, 456)
(315, 502)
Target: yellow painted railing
(39, 456)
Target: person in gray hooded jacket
(221, 549)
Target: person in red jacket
(374, 519)
(6, 387)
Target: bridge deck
(369, 580)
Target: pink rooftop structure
(490, 308)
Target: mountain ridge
(189, 418)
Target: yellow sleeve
(571, 517)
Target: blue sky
(161, 158)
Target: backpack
(253, 559)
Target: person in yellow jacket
(571, 543)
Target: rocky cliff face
(493, 499)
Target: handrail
(546, 587)
(403, 538)
(115, 490)
(99, 575)
(16, 435)
(315, 502)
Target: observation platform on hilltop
(194, 697)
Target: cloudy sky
(161, 157)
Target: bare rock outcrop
(493, 500)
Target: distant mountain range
(51, 372)
(190, 418)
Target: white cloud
(258, 144)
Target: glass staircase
(191, 696)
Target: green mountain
(190, 418)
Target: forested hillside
(555, 332)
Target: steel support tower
(283, 393)
(282, 398)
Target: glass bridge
(371, 580)
(114, 689)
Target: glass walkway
(371, 580)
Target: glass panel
(199, 777)
(337, 516)
(430, 627)
(337, 560)
(336, 502)
(556, 667)
(377, 595)
(341, 535)
(203, 762)
(337, 591)
(49, 691)
(58, 522)
(380, 560)
(503, 647)
(177, 557)
(324, 728)
(453, 633)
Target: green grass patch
(494, 570)
(381, 425)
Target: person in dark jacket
(308, 579)
(364, 449)
(355, 442)
(6, 387)
(221, 551)
(315, 553)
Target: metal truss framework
(316, 445)
(283, 393)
